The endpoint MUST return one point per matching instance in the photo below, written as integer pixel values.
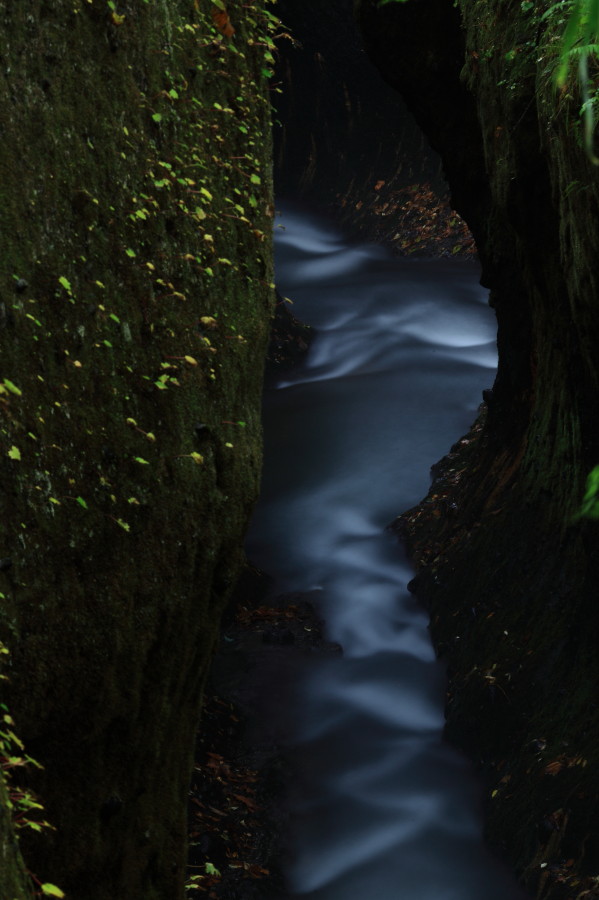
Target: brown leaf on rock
(246, 802)
(221, 19)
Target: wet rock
(277, 635)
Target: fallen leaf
(246, 802)
(217, 812)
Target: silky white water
(382, 807)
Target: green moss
(136, 295)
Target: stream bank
(237, 810)
(237, 814)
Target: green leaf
(130, 252)
(569, 38)
(65, 283)
(157, 118)
(255, 179)
(590, 501)
(14, 453)
(50, 890)
(143, 462)
(211, 869)
(12, 387)
(82, 502)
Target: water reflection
(382, 807)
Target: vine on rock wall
(19, 809)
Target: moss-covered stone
(16, 885)
(508, 571)
(136, 294)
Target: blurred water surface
(383, 808)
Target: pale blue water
(383, 808)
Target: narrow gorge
(413, 142)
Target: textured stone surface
(135, 301)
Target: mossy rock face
(135, 301)
(15, 883)
(506, 567)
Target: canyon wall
(505, 563)
(135, 302)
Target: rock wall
(506, 567)
(135, 300)
(15, 883)
(330, 115)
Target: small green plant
(590, 501)
(207, 879)
(579, 43)
(24, 806)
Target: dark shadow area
(345, 140)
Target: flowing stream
(383, 808)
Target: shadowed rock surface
(510, 576)
(135, 302)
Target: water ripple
(382, 808)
